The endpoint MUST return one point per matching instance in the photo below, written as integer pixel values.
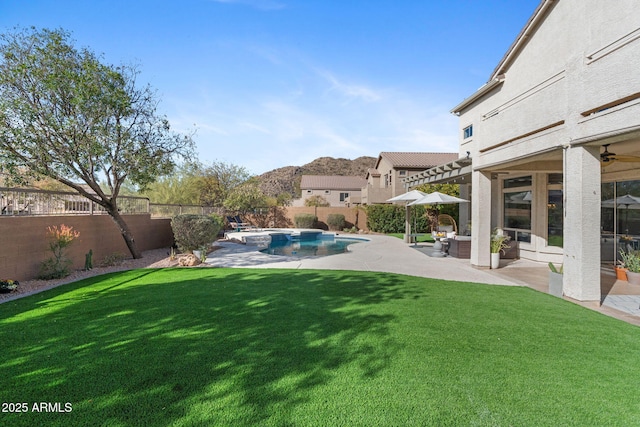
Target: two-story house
(554, 141)
(384, 181)
(335, 189)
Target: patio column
(481, 219)
(581, 278)
(464, 209)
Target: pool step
(262, 241)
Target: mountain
(287, 179)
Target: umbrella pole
(407, 224)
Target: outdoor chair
(447, 224)
(237, 223)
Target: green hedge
(335, 221)
(390, 219)
(305, 220)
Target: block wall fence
(24, 244)
(352, 215)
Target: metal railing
(26, 201)
(159, 210)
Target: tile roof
(417, 160)
(332, 182)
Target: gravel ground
(156, 258)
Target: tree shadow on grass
(184, 346)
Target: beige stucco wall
(553, 79)
(24, 244)
(584, 54)
(331, 196)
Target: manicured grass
(425, 238)
(184, 347)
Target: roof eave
(498, 74)
(486, 88)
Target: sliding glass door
(620, 219)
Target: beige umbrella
(409, 196)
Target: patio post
(582, 192)
(481, 219)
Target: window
(386, 180)
(468, 132)
(554, 217)
(402, 173)
(344, 196)
(517, 208)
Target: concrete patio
(389, 254)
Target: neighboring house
(337, 190)
(384, 181)
(542, 133)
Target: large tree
(66, 115)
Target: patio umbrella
(436, 198)
(407, 197)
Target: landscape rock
(189, 260)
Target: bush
(385, 218)
(305, 220)
(390, 218)
(192, 232)
(58, 266)
(335, 221)
(113, 259)
(8, 285)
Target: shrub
(317, 201)
(385, 218)
(305, 220)
(391, 218)
(60, 239)
(335, 221)
(8, 285)
(195, 231)
(113, 259)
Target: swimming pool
(304, 246)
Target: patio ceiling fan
(607, 157)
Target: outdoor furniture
(511, 252)
(237, 223)
(447, 223)
(460, 247)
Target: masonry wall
(24, 244)
(352, 215)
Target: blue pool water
(317, 245)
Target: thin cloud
(353, 91)
(257, 4)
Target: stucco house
(337, 190)
(384, 181)
(553, 141)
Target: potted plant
(498, 244)
(631, 261)
(555, 280)
(621, 271)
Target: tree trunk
(126, 233)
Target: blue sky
(272, 83)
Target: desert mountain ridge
(287, 179)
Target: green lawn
(228, 347)
(425, 238)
